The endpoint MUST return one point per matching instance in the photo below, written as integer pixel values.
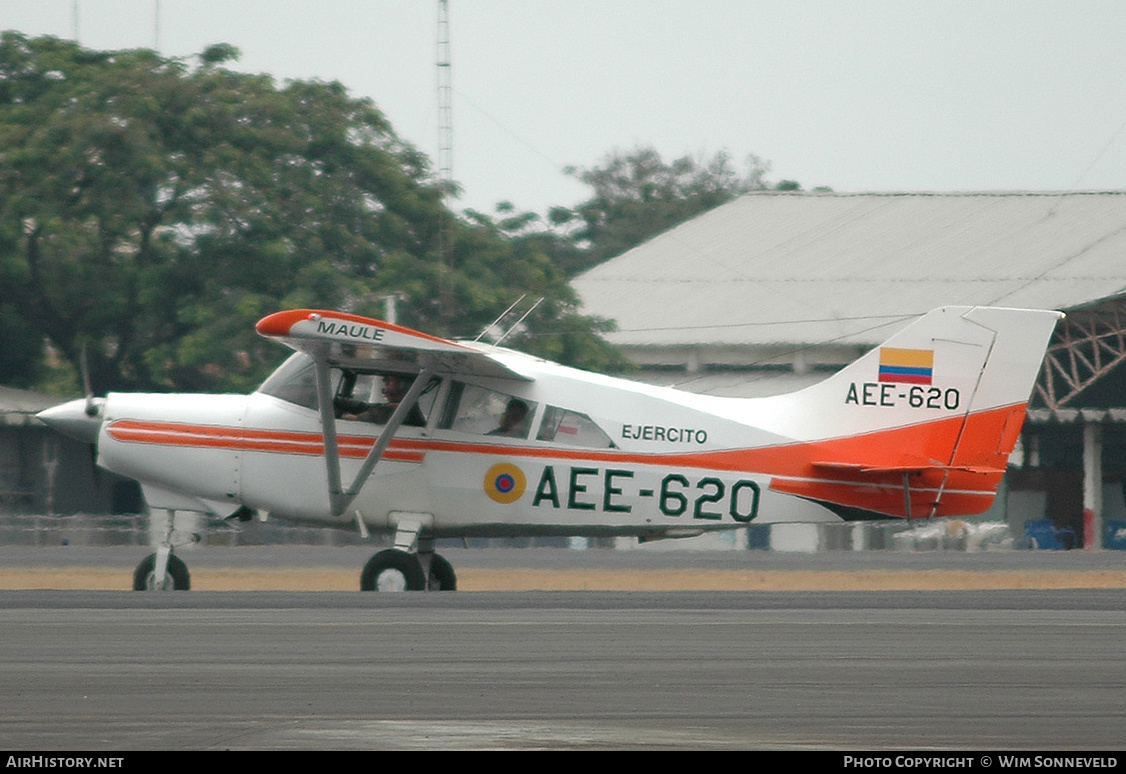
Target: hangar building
(43, 472)
(772, 291)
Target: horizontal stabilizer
(921, 468)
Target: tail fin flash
(924, 424)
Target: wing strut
(339, 497)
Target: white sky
(859, 95)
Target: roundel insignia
(505, 482)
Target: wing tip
(280, 323)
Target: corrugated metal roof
(811, 268)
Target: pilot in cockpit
(395, 388)
(514, 421)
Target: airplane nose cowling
(79, 419)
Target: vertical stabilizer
(930, 416)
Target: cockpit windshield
(295, 381)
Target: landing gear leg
(163, 571)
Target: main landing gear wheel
(392, 570)
(176, 577)
(442, 577)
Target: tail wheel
(442, 577)
(176, 576)
(392, 570)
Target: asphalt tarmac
(945, 669)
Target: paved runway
(994, 669)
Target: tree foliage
(151, 210)
(638, 195)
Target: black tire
(392, 570)
(442, 577)
(176, 576)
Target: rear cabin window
(572, 428)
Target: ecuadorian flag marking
(912, 366)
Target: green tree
(638, 195)
(151, 210)
(528, 244)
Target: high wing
(349, 340)
(338, 339)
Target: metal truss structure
(1087, 344)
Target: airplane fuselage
(659, 466)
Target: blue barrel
(1043, 534)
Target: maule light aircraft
(474, 440)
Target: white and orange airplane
(475, 440)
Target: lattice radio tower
(445, 159)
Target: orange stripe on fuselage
(986, 440)
(239, 439)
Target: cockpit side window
(373, 397)
(370, 397)
(572, 428)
